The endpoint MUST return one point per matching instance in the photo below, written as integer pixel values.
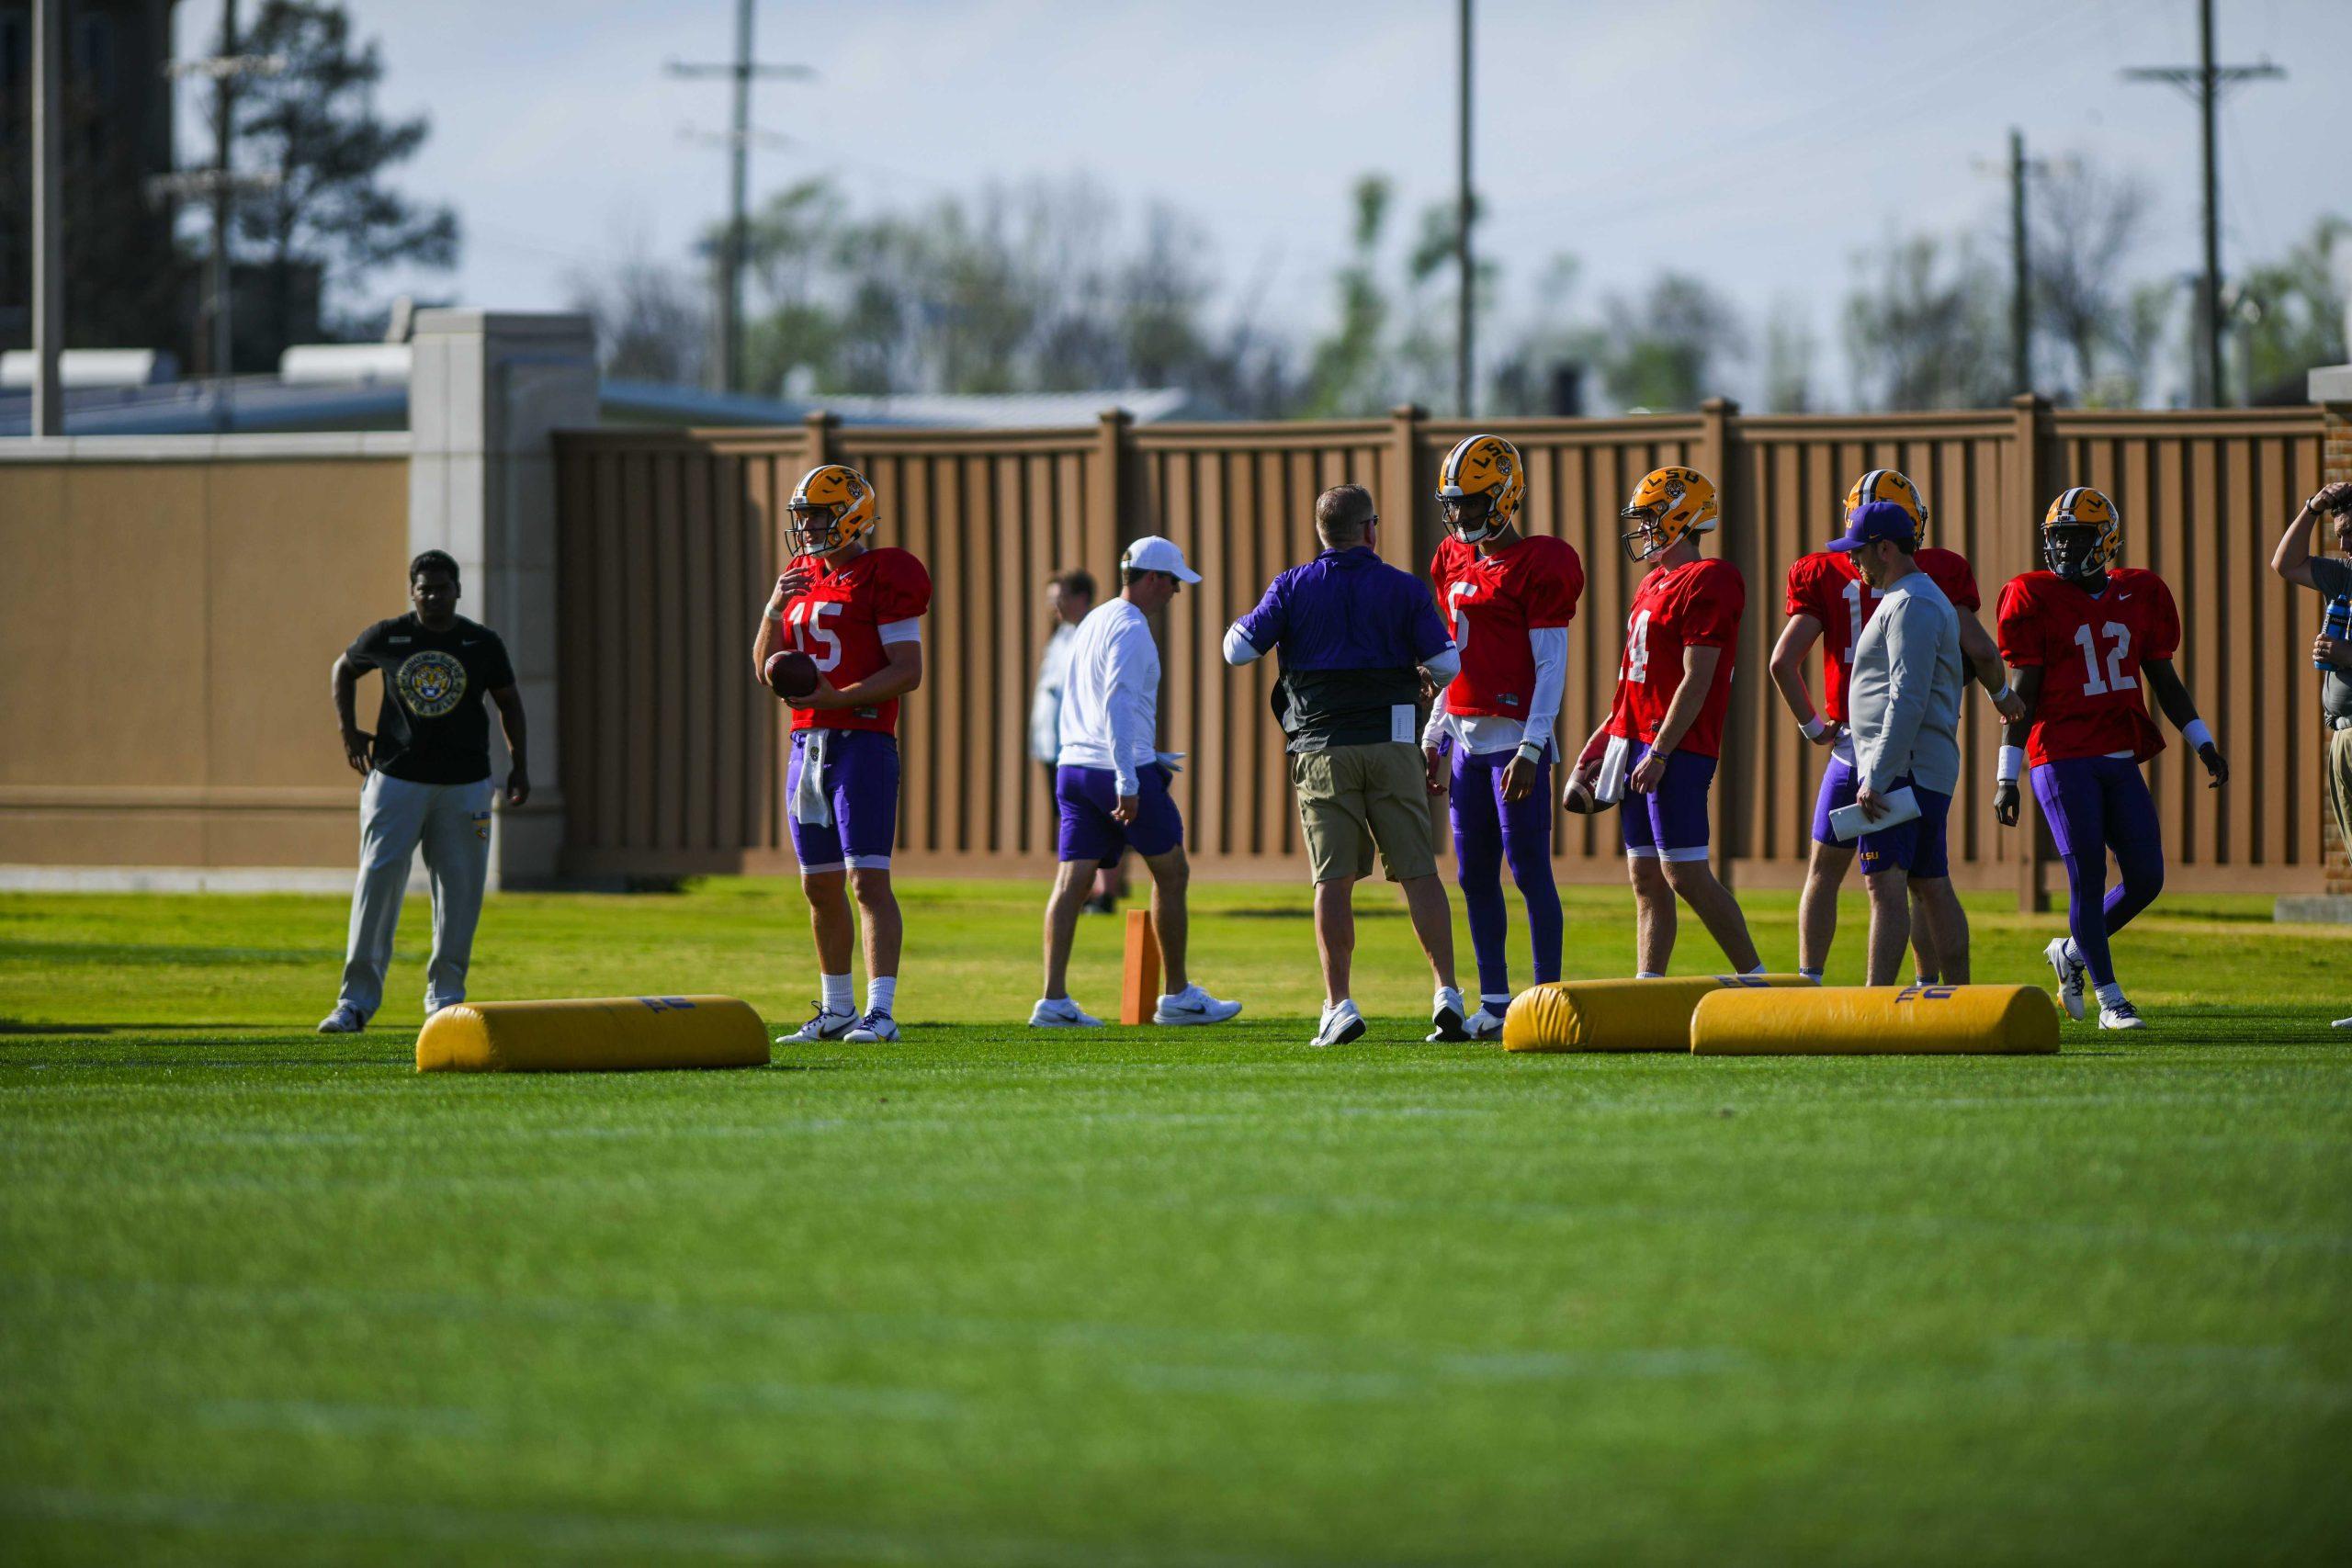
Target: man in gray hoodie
(1903, 702)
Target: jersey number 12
(2117, 679)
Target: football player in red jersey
(1829, 603)
(857, 612)
(1507, 599)
(2081, 637)
(1673, 687)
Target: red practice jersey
(838, 622)
(1491, 603)
(2089, 651)
(1826, 586)
(1696, 604)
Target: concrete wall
(174, 604)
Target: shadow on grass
(28, 1026)
(1377, 912)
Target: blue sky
(1758, 145)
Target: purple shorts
(856, 791)
(1670, 822)
(1087, 797)
(1918, 848)
(1838, 781)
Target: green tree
(315, 128)
(1663, 348)
(2292, 312)
(1926, 327)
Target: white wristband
(2196, 735)
(1812, 728)
(772, 613)
(2011, 765)
(1531, 750)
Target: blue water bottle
(2339, 625)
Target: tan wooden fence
(668, 541)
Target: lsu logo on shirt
(430, 683)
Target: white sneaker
(1446, 1013)
(825, 1026)
(1484, 1024)
(1192, 1005)
(877, 1028)
(344, 1019)
(1060, 1012)
(2071, 976)
(1341, 1024)
(2122, 1015)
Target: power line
(2204, 84)
(728, 371)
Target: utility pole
(728, 373)
(219, 184)
(49, 218)
(1465, 357)
(2020, 279)
(2204, 83)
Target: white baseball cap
(1153, 553)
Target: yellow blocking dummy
(1619, 1015)
(606, 1036)
(1859, 1021)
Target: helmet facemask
(2071, 550)
(816, 528)
(1469, 517)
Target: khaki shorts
(2340, 779)
(1353, 798)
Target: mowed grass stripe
(1149, 1296)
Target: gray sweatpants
(452, 821)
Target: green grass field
(1152, 1296)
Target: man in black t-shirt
(427, 768)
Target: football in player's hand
(1578, 797)
(791, 674)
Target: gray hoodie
(1902, 699)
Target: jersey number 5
(1454, 595)
(2117, 679)
(829, 642)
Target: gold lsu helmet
(1481, 482)
(1668, 505)
(1889, 484)
(832, 506)
(2081, 534)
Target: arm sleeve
(2163, 621)
(1800, 593)
(1551, 596)
(2019, 629)
(362, 651)
(1135, 675)
(902, 592)
(1550, 645)
(1238, 649)
(1436, 729)
(497, 671)
(1911, 658)
(1711, 608)
(1263, 626)
(1443, 665)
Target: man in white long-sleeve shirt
(1903, 705)
(1111, 784)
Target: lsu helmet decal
(1889, 484)
(2081, 534)
(1668, 505)
(1479, 487)
(832, 506)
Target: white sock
(1812, 974)
(880, 992)
(1648, 975)
(835, 994)
(2108, 994)
(1757, 970)
(1493, 1002)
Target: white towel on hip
(812, 803)
(1610, 787)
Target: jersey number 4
(829, 642)
(2116, 679)
(1637, 649)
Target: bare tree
(2087, 225)
(1924, 327)
(1790, 344)
(652, 323)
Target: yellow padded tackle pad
(606, 1034)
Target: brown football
(791, 674)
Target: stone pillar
(486, 390)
